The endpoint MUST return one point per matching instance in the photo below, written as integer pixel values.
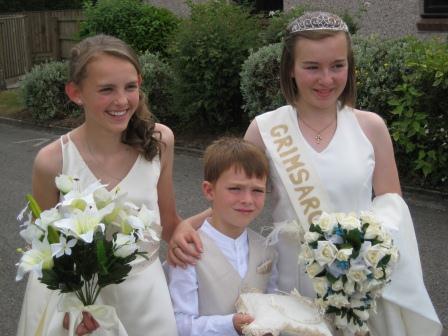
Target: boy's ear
(207, 189)
(72, 91)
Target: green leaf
(101, 256)
(33, 206)
(53, 235)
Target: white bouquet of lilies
(87, 241)
(349, 259)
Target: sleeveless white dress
(142, 301)
(345, 169)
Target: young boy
(235, 258)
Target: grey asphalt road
(18, 146)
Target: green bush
(260, 80)
(142, 26)
(43, 92)
(157, 84)
(208, 53)
(420, 106)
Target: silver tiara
(317, 21)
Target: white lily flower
(124, 245)
(64, 183)
(151, 222)
(47, 217)
(81, 225)
(31, 232)
(81, 199)
(63, 247)
(36, 259)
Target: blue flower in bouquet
(349, 259)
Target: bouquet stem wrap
(105, 315)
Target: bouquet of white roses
(349, 260)
(87, 241)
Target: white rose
(338, 300)
(311, 237)
(373, 255)
(373, 231)
(368, 217)
(340, 216)
(362, 314)
(337, 285)
(320, 285)
(306, 253)
(386, 241)
(326, 222)
(344, 254)
(64, 183)
(325, 252)
(340, 322)
(349, 287)
(375, 285)
(350, 223)
(394, 255)
(313, 269)
(378, 273)
(321, 304)
(357, 273)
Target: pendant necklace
(318, 137)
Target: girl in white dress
(120, 144)
(348, 155)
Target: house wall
(387, 18)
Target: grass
(10, 103)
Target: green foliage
(260, 80)
(142, 26)
(405, 80)
(277, 24)
(158, 80)
(208, 53)
(43, 92)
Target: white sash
(289, 153)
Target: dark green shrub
(420, 105)
(142, 26)
(157, 84)
(208, 53)
(44, 94)
(260, 80)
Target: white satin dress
(345, 168)
(142, 301)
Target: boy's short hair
(228, 152)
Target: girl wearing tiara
(120, 144)
(325, 155)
